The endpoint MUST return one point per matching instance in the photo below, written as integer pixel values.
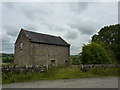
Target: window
(21, 45)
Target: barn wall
(33, 53)
(22, 55)
(43, 54)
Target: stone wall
(17, 69)
(43, 54)
(21, 56)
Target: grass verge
(58, 73)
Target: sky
(75, 22)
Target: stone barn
(33, 48)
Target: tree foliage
(95, 54)
(104, 47)
(74, 60)
(109, 37)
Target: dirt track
(104, 82)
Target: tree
(95, 53)
(109, 38)
(74, 60)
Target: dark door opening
(52, 62)
(66, 63)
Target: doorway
(52, 62)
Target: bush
(95, 53)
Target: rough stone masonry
(33, 48)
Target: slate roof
(45, 39)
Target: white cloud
(75, 22)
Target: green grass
(6, 57)
(58, 73)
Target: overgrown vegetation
(104, 47)
(59, 73)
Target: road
(104, 82)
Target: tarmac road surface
(103, 82)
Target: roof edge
(50, 44)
